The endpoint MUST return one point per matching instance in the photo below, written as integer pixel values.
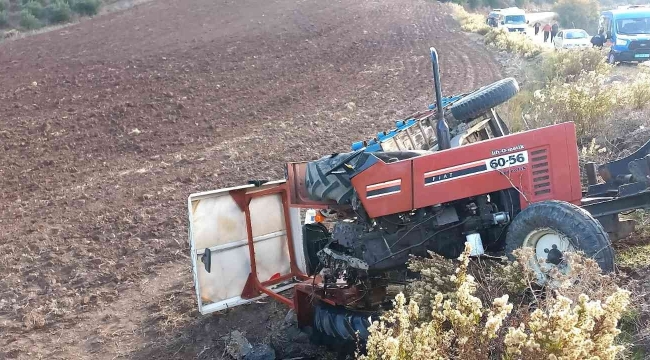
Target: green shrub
(35, 8)
(582, 14)
(4, 5)
(58, 12)
(515, 43)
(4, 19)
(568, 65)
(86, 7)
(29, 21)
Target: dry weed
(446, 317)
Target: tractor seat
(392, 156)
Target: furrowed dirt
(108, 125)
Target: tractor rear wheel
(482, 100)
(553, 227)
(340, 328)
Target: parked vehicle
(628, 33)
(493, 18)
(513, 19)
(572, 39)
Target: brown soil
(107, 126)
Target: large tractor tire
(335, 186)
(339, 328)
(553, 227)
(482, 100)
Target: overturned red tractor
(474, 183)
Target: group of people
(549, 30)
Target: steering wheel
(345, 161)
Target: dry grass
(469, 21)
(511, 42)
(515, 43)
(567, 66)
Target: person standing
(547, 31)
(554, 30)
(599, 40)
(537, 26)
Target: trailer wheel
(482, 100)
(339, 328)
(553, 227)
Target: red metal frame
(254, 287)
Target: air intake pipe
(442, 129)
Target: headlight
(621, 42)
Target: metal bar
(276, 296)
(240, 243)
(413, 147)
(618, 205)
(590, 169)
(251, 243)
(495, 123)
(427, 143)
(225, 304)
(287, 221)
(277, 280)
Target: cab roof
(629, 13)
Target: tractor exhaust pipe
(442, 129)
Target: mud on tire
(584, 232)
(483, 99)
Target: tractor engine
(356, 245)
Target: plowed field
(108, 125)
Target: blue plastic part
(446, 101)
(374, 145)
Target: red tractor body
(542, 164)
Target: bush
(35, 8)
(4, 5)
(29, 21)
(469, 21)
(588, 102)
(568, 65)
(638, 92)
(514, 109)
(58, 12)
(446, 317)
(582, 14)
(4, 19)
(516, 43)
(86, 7)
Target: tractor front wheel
(482, 100)
(551, 228)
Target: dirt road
(108, 125)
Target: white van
(513, 19)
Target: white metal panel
(216, 222)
